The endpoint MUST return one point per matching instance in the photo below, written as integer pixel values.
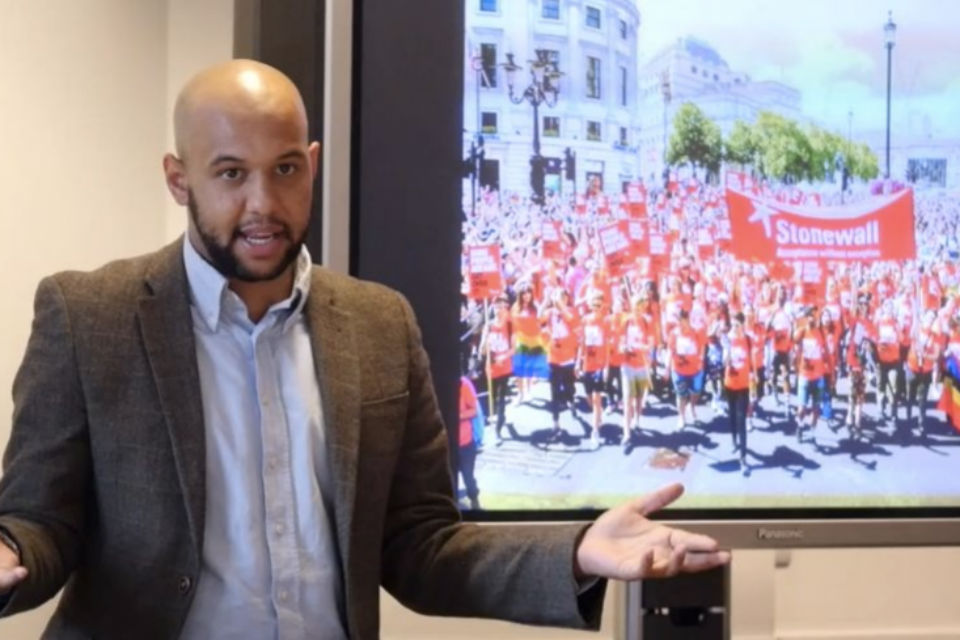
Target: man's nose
(261, 195)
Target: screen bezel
(405, 184)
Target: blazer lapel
(338, 373)
(167, 327)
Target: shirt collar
(208, 287)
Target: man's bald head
(235, 88)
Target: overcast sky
(833, 52)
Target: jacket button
(183, 586)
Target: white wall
(85, 95)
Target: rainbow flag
(950, 396)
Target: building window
(715, 78)
(623, 29)
(551, 127)
(488, 6)
(488, 122)
(593, 77)
(693, 69)
(488, 65)
(624, 137)
(593, 131)
(593, 17)
(623, 86)
(550, 9)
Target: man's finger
(658, 499)
(677, 555)
(692, 541)
(10, 578)
(694, 562)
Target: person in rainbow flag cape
(950, 395)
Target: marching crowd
(699, 326)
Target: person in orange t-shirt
(922, 361)
(592, 359)
(814, 362)
(498, 347)
(780, 327)
(737, 376)
(889, 361)
(637, 343)
(562, 326)
(686, 346)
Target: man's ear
(176, 178)
(314, 151)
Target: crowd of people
(697, 326)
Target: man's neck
(259, 296)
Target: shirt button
(284, 595)
(278, 528)
(184, 584)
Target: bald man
(220, 440)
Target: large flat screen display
(714, 243)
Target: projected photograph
(710, 243)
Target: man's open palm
(624, 545)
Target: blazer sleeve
(436, 564)
(46, 464)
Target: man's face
(249, 181)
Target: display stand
(687, 607)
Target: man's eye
(286, 169)
(231, 174)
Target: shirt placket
(279, 499)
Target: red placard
(813, 280)
(554, 244)
(705, 244)
(637, 199)
(615, 241)
(483, 262)
(659, 253)
(875, 229)
(639, 239)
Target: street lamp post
(544, 88)
(666, 92)
(889, 36)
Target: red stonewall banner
(639, 241)
(614, 238)
(875, 229)
(483, 265)
(554, 246)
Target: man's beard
(223, 258)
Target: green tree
(863, 162)
(785, 151)
(695, 139)
(741, 146)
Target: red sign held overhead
(875, 229)
(554, 244)
(705, 244)
(615, 240)
(659, 254)
(813, 281)
(483, 264)
(637, 199)
(639, 241)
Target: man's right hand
(12, 572)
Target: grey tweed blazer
(103, 485)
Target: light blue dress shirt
(270, 567)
